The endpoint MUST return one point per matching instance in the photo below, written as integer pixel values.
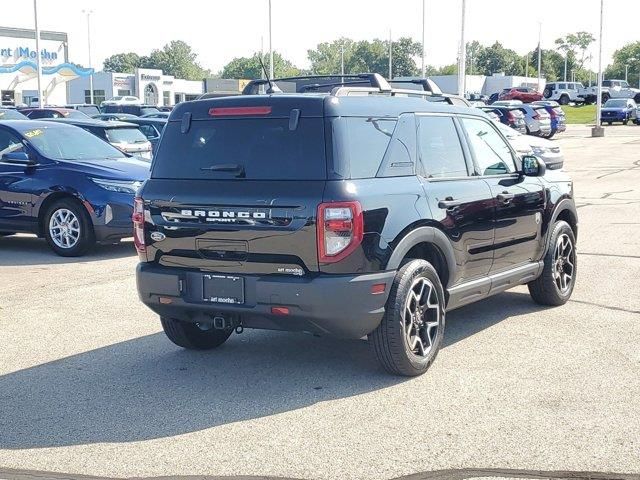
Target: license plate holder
(223, 289)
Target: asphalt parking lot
(90, 385)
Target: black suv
(357, 212)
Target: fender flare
(562, 205)
(424, 235)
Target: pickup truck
(610, 89)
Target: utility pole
(38, 59)
(424, 64)
(390, 56)
(88, 13)
(566, 57)
(462, 73)
(626, 73)
(270, 45)
(342, 58)
(539, 54)
(598, 131)
(526, 68)
(261, 54)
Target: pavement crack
(606, 307)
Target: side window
(563, 86)
(360, 144)
(491, 152)
(624, 84)
(9, 142)
(441, 154)
(148, 131)
(399, 158)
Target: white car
(122, 100)
(563, 92)
(542, 148)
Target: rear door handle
(449, 202)
(505, 197)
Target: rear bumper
(339, 305)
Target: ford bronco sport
(364, 211)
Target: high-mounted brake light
(138, 225)
(340, 230)
(238, 111)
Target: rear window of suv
(263, 149)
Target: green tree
(448, 70)
(122, 63)
(366, 56)
(628, 55)
(473, 52)
(177, 59)
(325, 59)
(249, 67)
(496, 59)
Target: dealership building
(151, 86)
(19, 71)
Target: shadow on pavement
(146, 388)
(29, 250)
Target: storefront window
(166, 98)
(98, 96)
(124, 93)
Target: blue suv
(65, 184)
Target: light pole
(598, 131)
(463, 53)
(88, 14)
(539, 54)
(390, 56)
(270, 45)
(38, 64)
(626, 73)
(424, 65)
(342, 58)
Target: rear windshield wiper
(227, 167)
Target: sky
(218, 31)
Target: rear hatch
(235, 185)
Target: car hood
(539, 142)
(120, 169)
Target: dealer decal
(33, 133)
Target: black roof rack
(311, 82)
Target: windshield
(251, 148)
(125, 135)
(9, 114)
(117, 98)
(89, 110)
(70, 143)
(615, 103)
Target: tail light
(340, 230)
(536, 116)
(138, 225)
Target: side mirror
(532, 166)
(18, 158)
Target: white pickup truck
(610, 89)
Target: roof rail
(305, 83)
(427, 84)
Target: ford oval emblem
(158, 236)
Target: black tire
(609, 123)
(390, 341)
(545, 289)
(192, 337)
(564, 100)
(86, 238)
(625, 121)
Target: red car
(52, 112)
(524, 94)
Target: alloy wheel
(64, 228)
(563, 263)
(422, 317)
